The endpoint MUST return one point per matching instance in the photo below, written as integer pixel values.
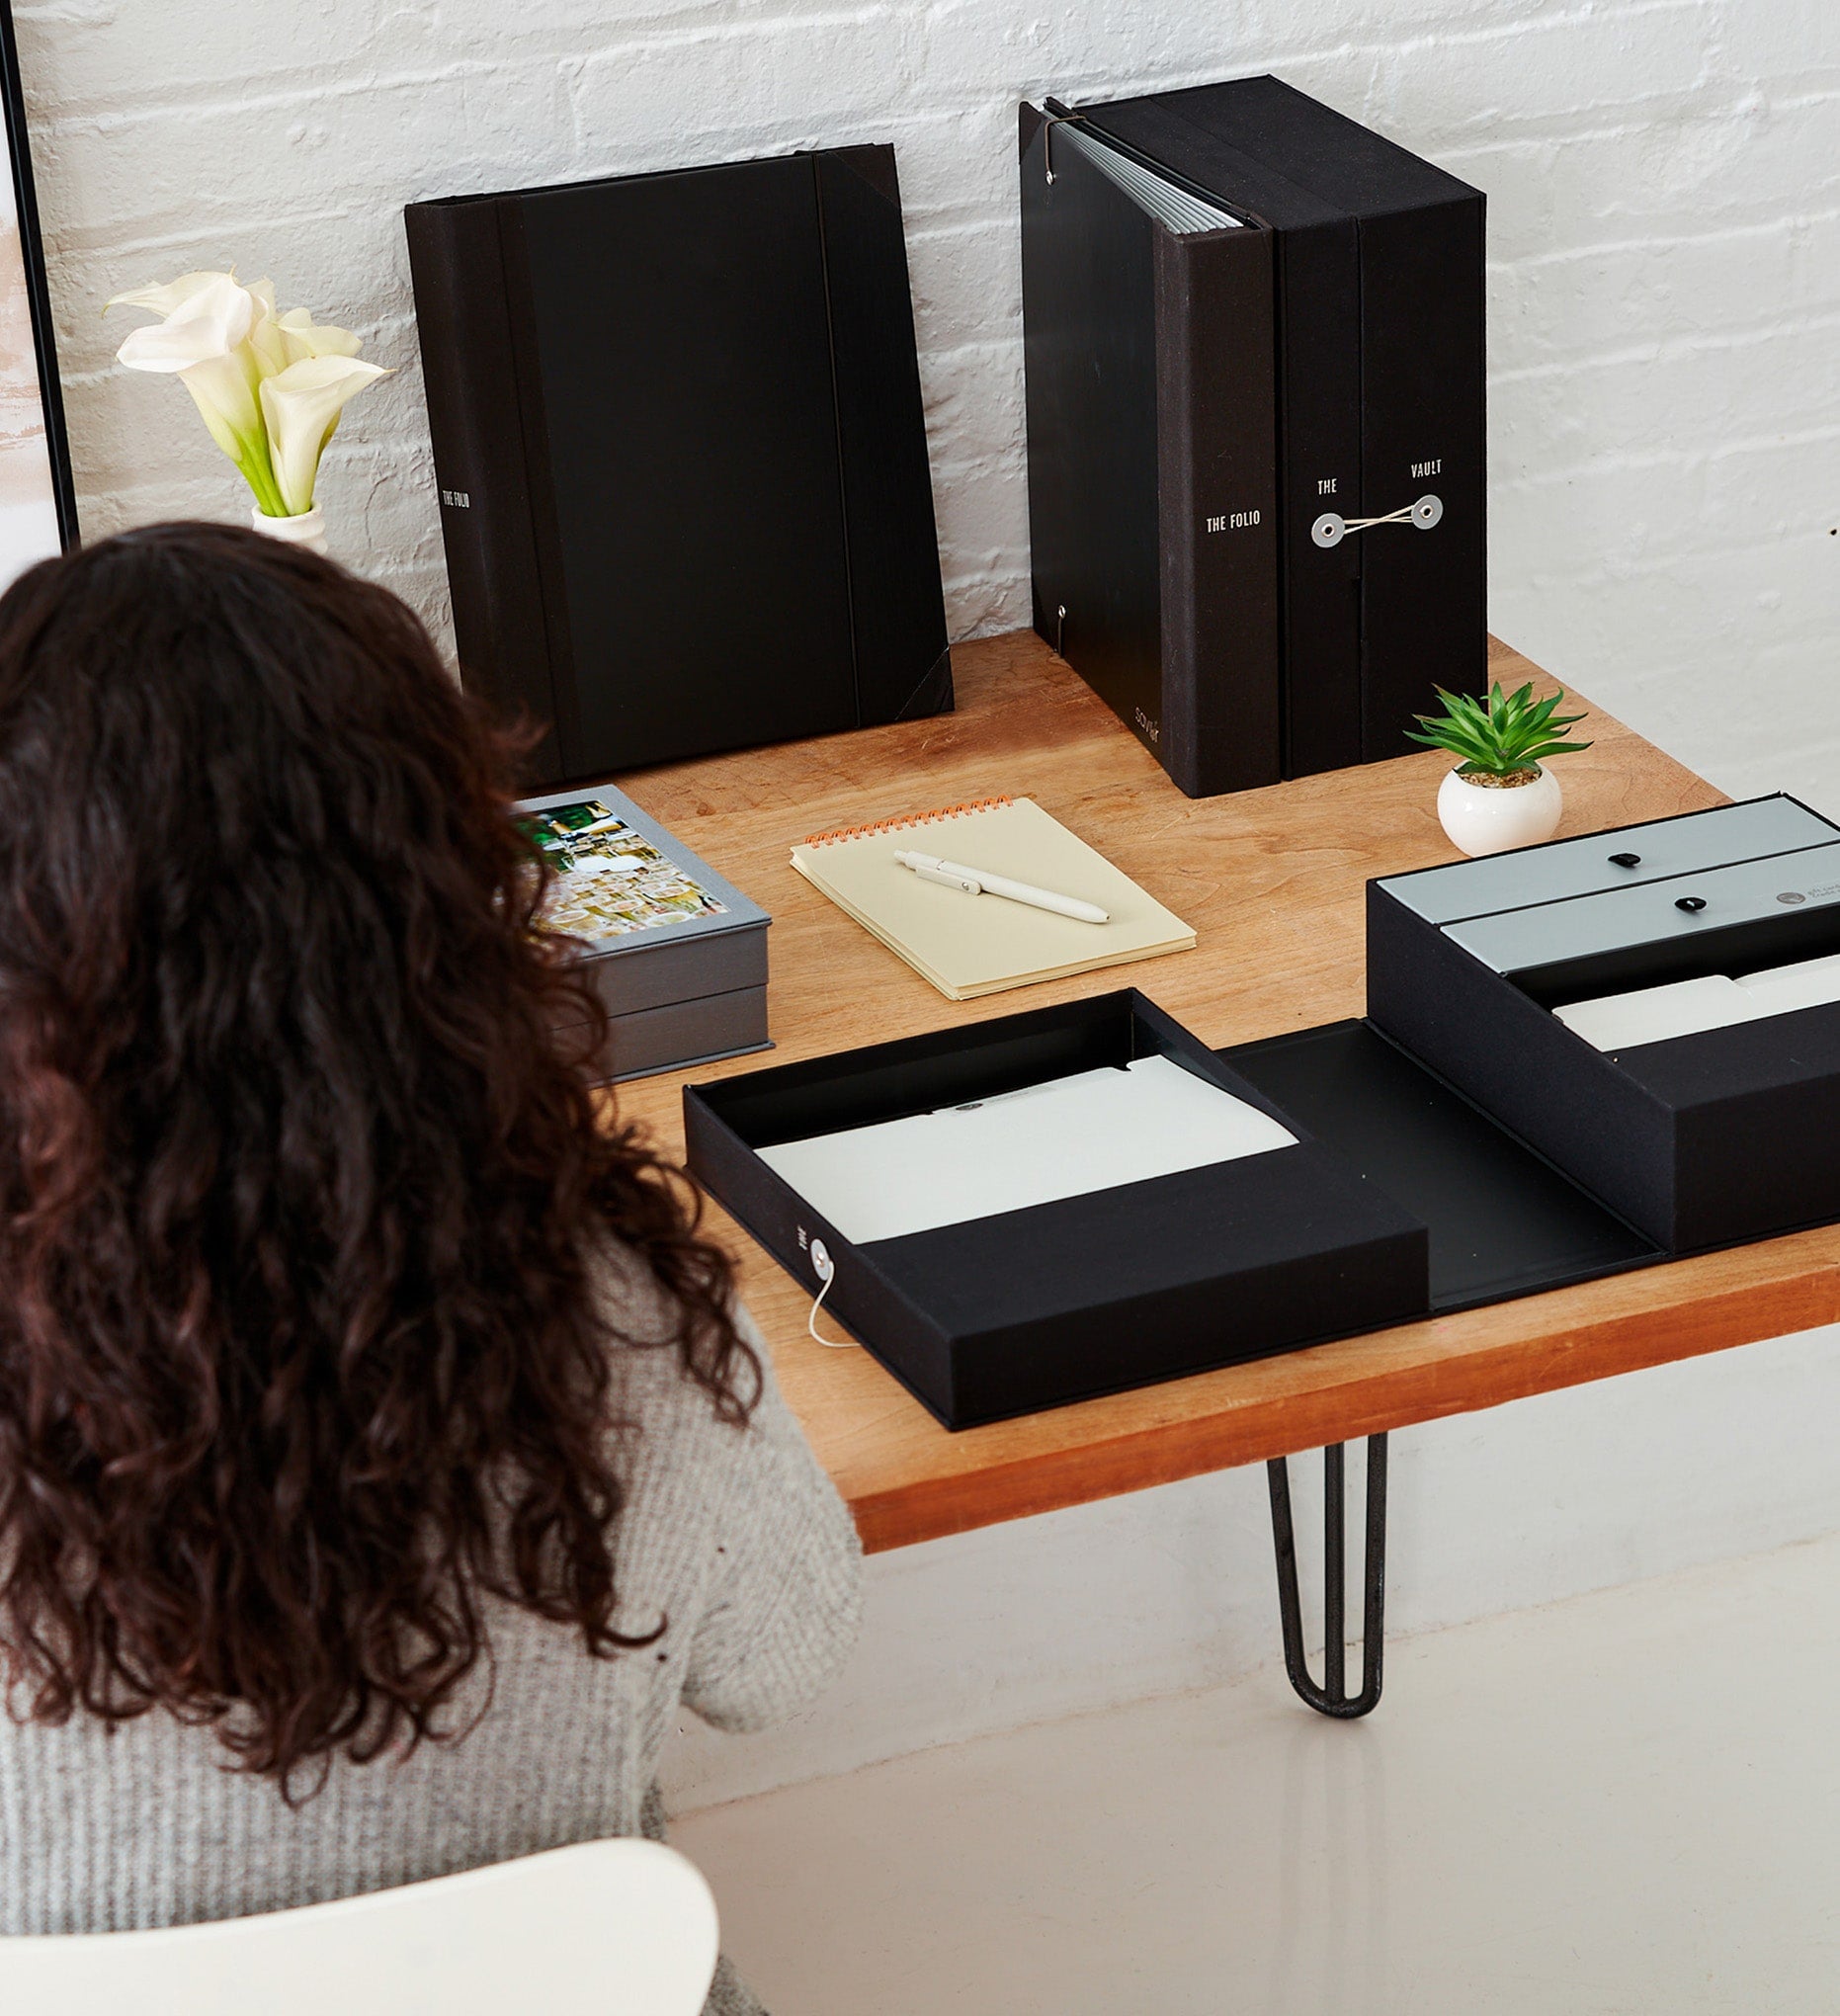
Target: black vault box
(1701, 1138)
(1255, 390)
(1119, 1285)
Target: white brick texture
(1664, 185)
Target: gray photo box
(680, 993)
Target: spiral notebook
(968, 945)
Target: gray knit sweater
(735, 1536)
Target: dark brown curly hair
(304, 1195)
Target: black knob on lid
(1690, 904)
(1625, 860)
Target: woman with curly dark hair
(382, 1455)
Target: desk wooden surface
(1273, 882)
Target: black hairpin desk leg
(1332, 1697)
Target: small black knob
(1625, 860)
(1690, 904)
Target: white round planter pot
(308, 528)
(1489, 819)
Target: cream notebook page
(968, 945)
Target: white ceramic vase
(308, 529)
(1489, 819)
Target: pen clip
(968, 883)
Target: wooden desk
(1273, 882)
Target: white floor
(1625, 1802)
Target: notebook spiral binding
(959, 811)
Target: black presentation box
(1058, 1301)
(1699, 1140)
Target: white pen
(976, 881)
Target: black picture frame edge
(38, 289)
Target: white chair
(609, 1928)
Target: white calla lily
(231, 348)
(301, 406)
(223, 388)
(281, 340)
(208, 324)
(205, 342)
(305, 338)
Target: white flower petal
(211, 323)
(225, 390)
(305, 338)
(265, 337)
(301, 406)
(163, 301)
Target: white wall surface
(1664, 185)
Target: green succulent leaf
(1499, 734)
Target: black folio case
(1459, 1147)
(1150, 397)
(1320, 363)
(678, 432)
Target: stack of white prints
(1620, 1022)
(1095, 1131)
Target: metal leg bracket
(1332, 1697)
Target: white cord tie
(825, 1269)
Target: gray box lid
(732, 912)
(1683, 845)
(1544, 934)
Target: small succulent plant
(1508, 735)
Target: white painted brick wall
(1664, 181)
